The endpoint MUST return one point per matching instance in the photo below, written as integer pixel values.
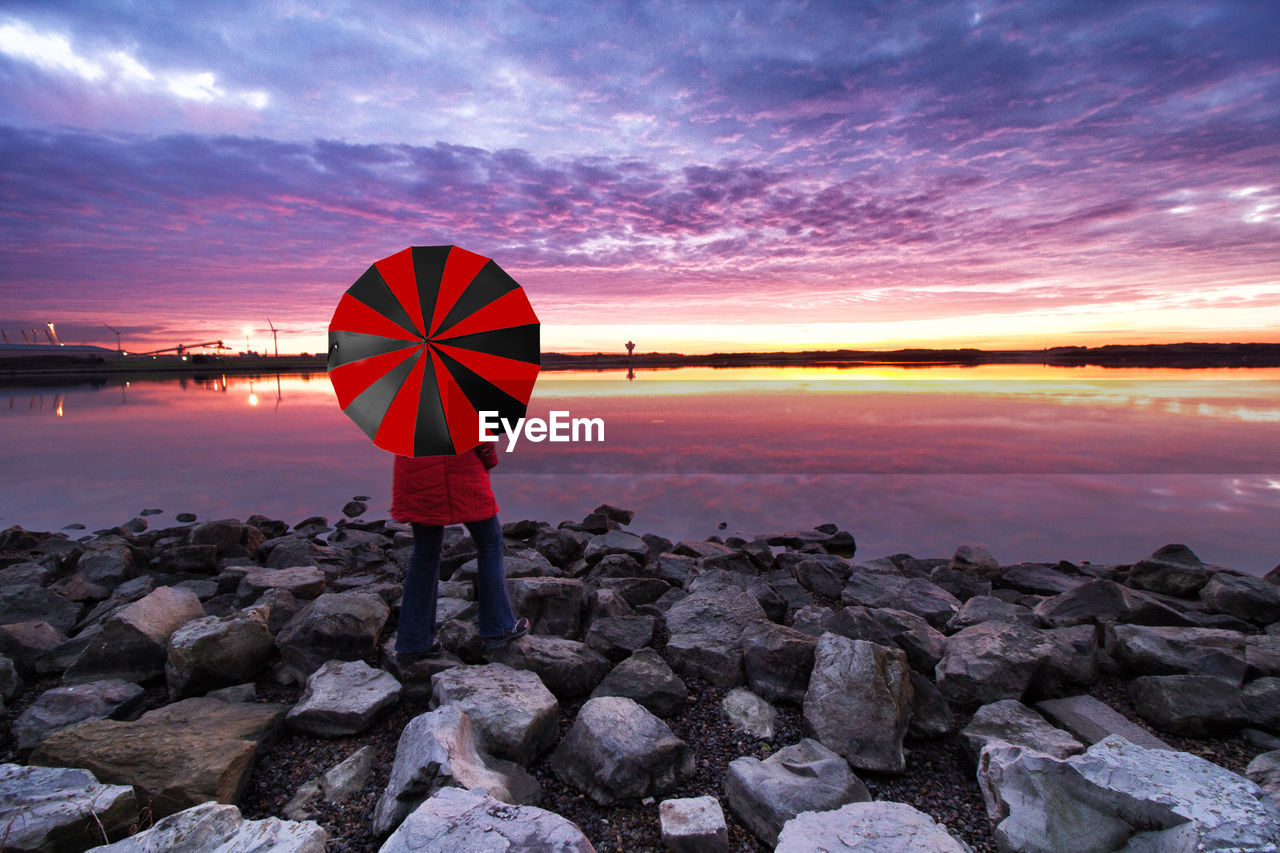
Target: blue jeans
(417, 630)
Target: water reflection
(1035, 463)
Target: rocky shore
(234, 683)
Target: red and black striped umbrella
(425, 340)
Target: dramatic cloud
(972, 171)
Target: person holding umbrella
(430, 492)
(423, 342)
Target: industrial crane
(180, 349)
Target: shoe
(410, 658)
(521, 628)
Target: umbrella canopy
(425, 340)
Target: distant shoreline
(15, 370)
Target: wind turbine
(118, 349)
(274, 342)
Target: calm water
(1034, 463)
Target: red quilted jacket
(444, 489)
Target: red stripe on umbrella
(397, 272)
(353, 315)
(350, 380)
(396, 430)
(510, 309)
(459, 270)
(514, 377)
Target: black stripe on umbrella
(348, 347)
(519, 343)
(488, 285)
(371, 289)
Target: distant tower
(630, 347)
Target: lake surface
(1035, 463)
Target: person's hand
(488, 454)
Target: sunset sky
(693, 177)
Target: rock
(25, 642)
(23, 574)
(1120, 795)
(705, 634)
(438, 749)
(231, 538)
(618, 750)
(1264, 771)
(1188, 704)
(10, 680)
(1172, 570)
(552, 605)
(1037, 579)
(748, 714)
(777, 661)
(1262, 655)
(646, 678)
(991, 661)
(514, 716)
(1248, 598)
(693, 825)
(182, 559)
(880, 827)
(452, 820)
(61, 707)
(823, 574)
(213, 826)
(1072, 662)
(674, 568)
(962, 585)
(335, 626)
(914, 595)
(568, 668)
(974, 560)
(338, 784)
(343, 698)
(60, 808)
(246, 692)
(1094, 602)
(217, 651)
(177, 756)
(859, 701)
(774, 607)
(1145, 650)
(616, 542)
(302, 582)
(930, 715)
(107, 566)
(32, 603)
(1013, 723)
(1262, 703)
(354, 509)
(888, 627)
(616, 637)
(133, 644)
(805, 776)
(986, 608)
(1090, 721)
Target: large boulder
(26, 642)
(823, 574)
(335, 626)
(777, 661)
(616, 637)
(302, 582)
(343, 698)
(60, 808)
(1243, 597)
(176, 756)
(1121, 795)
(513, 714)
(568, 668)
(108, 565)
(914, 595)
(455, 819)
(1037, 579)
(62, 707)
(214, 826)
(1095, 602)
(859, 701)
(748, 714)
(886, 626)
(1172, 570)
(1189, 704)
(693, 825)
(1011, 722)
(705, 634)
(974, 560)
(1168, 650)
(1090, 720)
(617, 750)
(437, 750)
(990, 661)
(805, 776)
(552, 605)
(988, 608)
(646, 678)
(133, 644)
(879, 827)
(217, 651)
